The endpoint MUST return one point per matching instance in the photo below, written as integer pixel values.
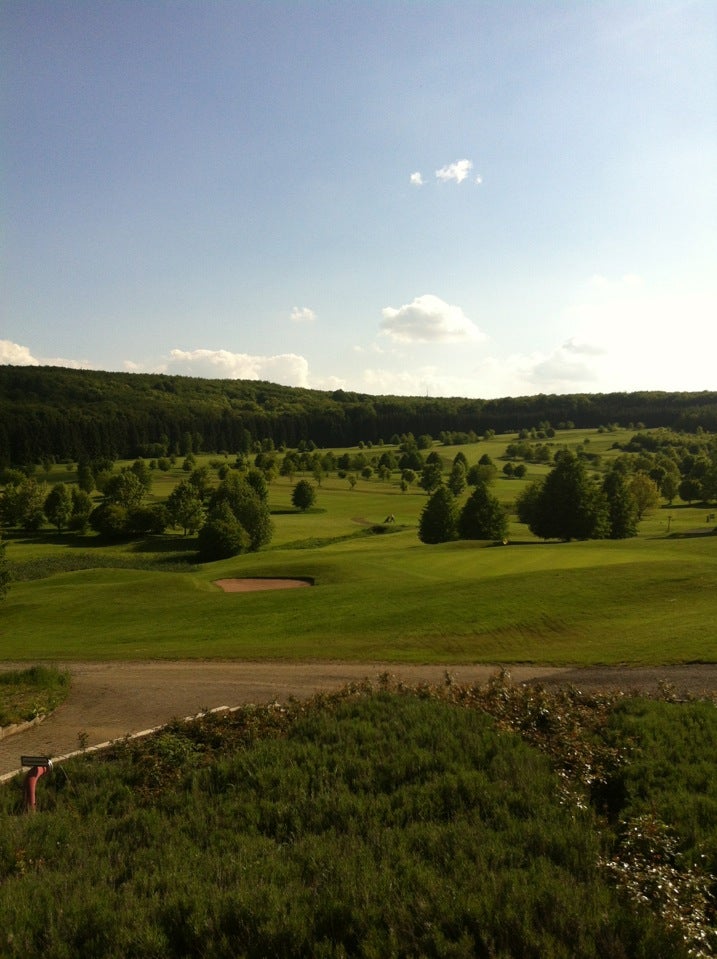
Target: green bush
(378, 824)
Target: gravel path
(111, 700)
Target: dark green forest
(69, 414)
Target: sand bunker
(252, 585)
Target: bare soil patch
(256, 583)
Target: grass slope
(389, 598)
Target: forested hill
(66, 413)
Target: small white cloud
(289, 369)
(417, 179)
(457, 171)
(478, 180)
(302, 315)
(428, 319)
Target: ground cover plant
(26, 694)
(378, 821)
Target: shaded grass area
(28, 693)
(374, 822)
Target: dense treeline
(67, 414)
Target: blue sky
(428, 198)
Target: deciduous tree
(645, 493)
(185, 508)
(303, 495)
(622, 508)
(124, 488)
(248, 507)
(81, 509)
(58, 506)
(431, 477)
(222, 536)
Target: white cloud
(289, 369)
(561, 369)
(418, 382)
(302, 315)
(458, 171)
(626, 336)
(478, 180)
(13, 354)
(16, 355)
(428, 319)
(417, 179)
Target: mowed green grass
(376, 596)
(389, 597)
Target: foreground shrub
(364, 824)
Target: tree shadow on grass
(165, 544)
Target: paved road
(111, 700)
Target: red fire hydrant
(39, 765)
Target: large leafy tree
(567, 505)
(248, 507)
(482, 516)
(621, 504)
(58, 506)
(222, 536)
(23, 504)
(185, 507)
(439, 518)
(124, 489)
(431, 477)
(81, 510)
(303, 495)
(110, 520)
(645, 493)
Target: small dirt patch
(254, 584)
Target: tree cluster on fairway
(238, 520)
(568, 504)
(121, 512)
(481, 517)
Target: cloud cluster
(450, 173)
(13, 354)
(428, 319)
(458, 171)
(286, 368)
